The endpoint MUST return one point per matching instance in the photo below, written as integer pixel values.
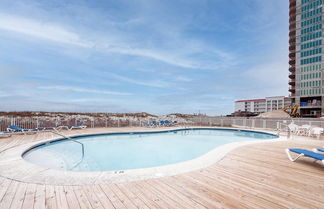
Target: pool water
(138, 150)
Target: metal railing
(82, 148)
(253, 122)
(90, 122)
(199, 120)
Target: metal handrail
(82, 147)
(288, 130)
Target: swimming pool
(123, 151)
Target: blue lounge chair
(162, 123)
(14, 128)
(154, 123)
(305, 153)
(5, 133)
(147, 124)
(167, 123)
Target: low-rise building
(262, 105)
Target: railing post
(253, 123)
(37, 123)
(264, 124)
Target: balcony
(292, 19)
(292, 82)
(310, 104)
(292, 69)
(292, 33)
(292, 76)
(292, 55)
(292, 62)
(292, 89)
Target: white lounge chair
(304, 130)
(79, 125)
(316, 131)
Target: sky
(156, 56)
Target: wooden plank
(9, 196)
(19, 196)
(267, 191)
(230, 195)
(172, 193)
(40, 197)
(131, 187)
(92, 197)
(160, 201)
(112, 196)
(134, 198)
(29, 197)
(61, 200)
(50, 201)
(224, 200)
(71, 198)
(4, 187)
(105, 201)
(192, 193)
(83, 200)
(123, 198)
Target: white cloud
(115, 43)
(42, 30)
(155, 83)
(81, 90)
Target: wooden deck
(254, 176)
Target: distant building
(262, 105)
(306, 39)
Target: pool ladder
(69, 138)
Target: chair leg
(291, 158)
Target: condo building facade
(262, 105)
(306, 56)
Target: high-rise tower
(305, 56)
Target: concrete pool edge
(13, 166)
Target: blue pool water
(137, 150)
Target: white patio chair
(293, 128)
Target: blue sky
(141, 55)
